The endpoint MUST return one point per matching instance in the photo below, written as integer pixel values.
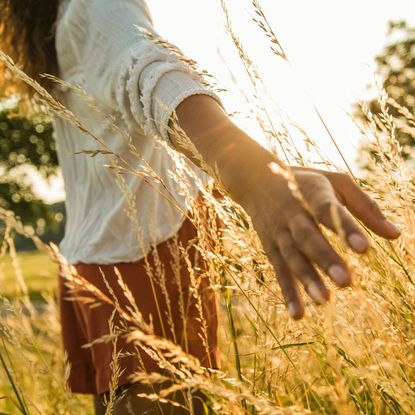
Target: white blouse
(138, 84)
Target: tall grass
(355, 355)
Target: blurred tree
(26, 144)
(396, 66)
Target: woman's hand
(357, 202)
(291, 236)
(289, 229)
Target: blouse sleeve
(128, 72)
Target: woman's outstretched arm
(290, 235)
(126, 71)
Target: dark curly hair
(27, 35)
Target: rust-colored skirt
(90, 367)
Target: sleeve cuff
(162, 94)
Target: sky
(331, 46)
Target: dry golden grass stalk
(353, 356)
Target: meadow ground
(40, 275)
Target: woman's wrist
(244, 166)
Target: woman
(101, 45)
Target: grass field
(38, 271)
(354, 355)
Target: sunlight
(331, 45)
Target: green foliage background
(396, 67)
(27, 145)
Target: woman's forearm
(235, 157)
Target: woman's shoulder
(80, 8)
(97, 30)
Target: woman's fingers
(316, 248)
(320, 195)
(302, 268)
(287, 282)
(332, 215)
(363, 207)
